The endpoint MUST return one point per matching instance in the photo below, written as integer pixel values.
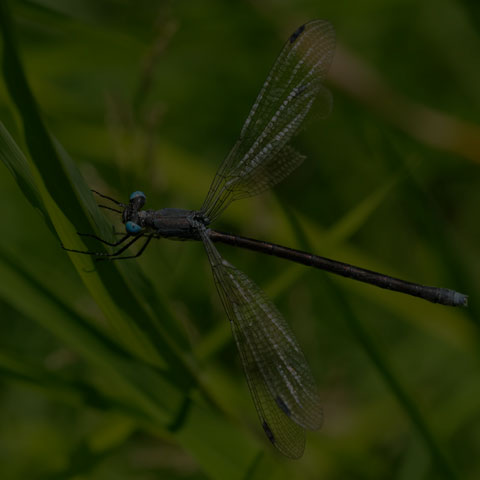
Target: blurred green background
(130, 371)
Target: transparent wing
(261, 157)
(277, 372)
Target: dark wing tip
(268, 432)
(297, 33)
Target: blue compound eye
(132, 228)
(136, 194)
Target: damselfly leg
(142, 249)
(116, 202)
(105, 242)
(114, 255)
(106, 207)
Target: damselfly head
(130, 216)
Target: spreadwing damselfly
(280, 381)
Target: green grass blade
(67, 199)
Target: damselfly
(280, 380)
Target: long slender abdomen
(443, 296)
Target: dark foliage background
(130, 371)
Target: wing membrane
(277, 372)
(261, 157)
